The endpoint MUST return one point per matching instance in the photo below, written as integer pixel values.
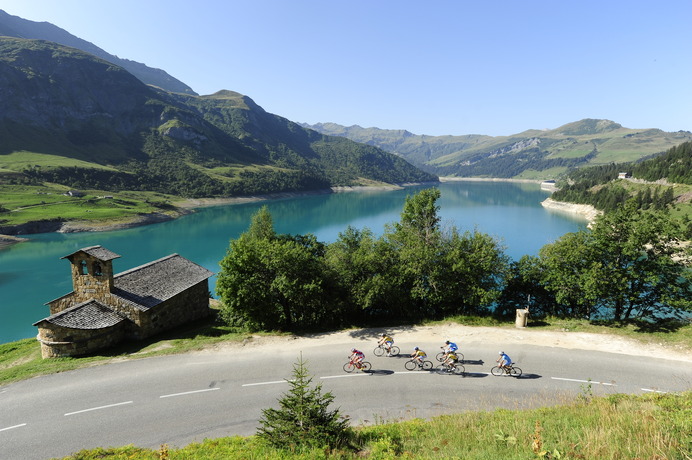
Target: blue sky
(437, 67)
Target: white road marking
(414, 372)
(13, 427)
(345, 375)
(188, 392)
(98, 408)
(653, 391)
(584, 381)
(263, 383)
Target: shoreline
(183, 207)
(586, 211)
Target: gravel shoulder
(465, 336)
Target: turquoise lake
(33, 273)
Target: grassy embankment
(652, 426)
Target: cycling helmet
(383, 334)
(352, 350)
(501, 353)
(447, 342)
(415, 349)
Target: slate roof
(98, 252)
(91, 314)
(148, 285)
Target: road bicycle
(351, 366)
(457, 369)
(413, 364)
(441, 356)
(381, 350)
(512, 370)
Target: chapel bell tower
(92, 273)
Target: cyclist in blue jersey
(504, 360)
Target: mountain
(14, 26)
(532, 154)
(74, 119)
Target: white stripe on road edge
(189, 392)
(653, 391)
(12, 427)
(98, 408)
(584, 381)
(414, 372)
(263, 383)
(346, 375)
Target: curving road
(186, 398)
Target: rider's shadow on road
(473, 362)
(381, 372)
(529, 376)
(474, 375)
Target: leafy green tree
(629, 264)
(570, 274)
(640, 254)
(273, 282)
(524, 287)
(475, 268)
(304, 418)
(362, 266)
(417, 242)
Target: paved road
(182, 399)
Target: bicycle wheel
(497, 370)
(427, 365)
(395, 351)
(460, 356)
(440, 356)
(442, 369)
(349, 367)
(379, 351)
(459, 369)
(365, 366)
(515, 372)
(410, 365)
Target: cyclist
(449, 347)
(418, 355)
(451, 359)
(356, 357)
(504, 360)
(386, 341)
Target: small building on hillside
(104, 309)
(624, 175)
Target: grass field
(653, 426)
(49, 202)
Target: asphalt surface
(186, 398)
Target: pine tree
(304, 419)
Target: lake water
(32, 273)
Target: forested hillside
(656, 183)
(76, 120)
(14, 26)
(532, 154)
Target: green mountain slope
(530, 154)
(73, 119)
(14, 26)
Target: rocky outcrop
(585, 210)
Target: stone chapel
(104, 309)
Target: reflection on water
(32, 273)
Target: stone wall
(190, 305)
(61, 341)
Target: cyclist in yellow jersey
(387, 342)
(451, 359)
(418, 355)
